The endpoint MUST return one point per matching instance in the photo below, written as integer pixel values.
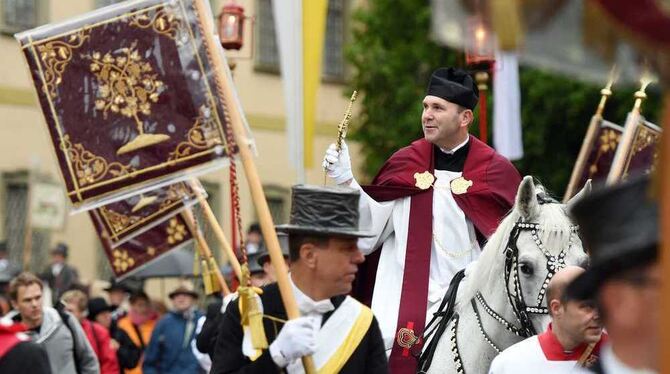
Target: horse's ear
(526, 200)
(579, 195)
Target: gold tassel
(250, 314)
(507, 23)
(214, 280)
(206, 278)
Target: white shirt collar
(307, 305)
(611, 363)
(456, 148)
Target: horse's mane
(490, 265)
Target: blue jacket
(168, 351)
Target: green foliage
(393, 56)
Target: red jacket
(99, 338)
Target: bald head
(560, 281)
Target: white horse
(501, 298)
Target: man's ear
(554, 307)
(308, 255)
(467, 117)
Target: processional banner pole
(254, 182)
(663, 186)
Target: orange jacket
(145, 331)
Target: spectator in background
(20, 355)
(159, 308)
(139, 325)
(59, 275)
(169, 351)
(8, 268)
(118, 295)
(55, 330)
(76, 302)
(254, 238)
(263, 258)
(127, 353)
(5, 306)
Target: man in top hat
(340, 333)
(619, 226)
(430, 208)
(574, 336)
(169, 350)
(60, 276)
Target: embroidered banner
(146, 247)
(122, 220)
(644, 152)
(129, 98)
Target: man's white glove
(296, 339)
(338, 166)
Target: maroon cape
(491, 196)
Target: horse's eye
(526, 269)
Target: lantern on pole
(231, 26)
(480, 57)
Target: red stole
(492, 194)
(10, 336)
(553, 350)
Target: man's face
(182, 302)
(254, 237)
(74, 309)
(117, 297)
(580, 320)
(29, 304)
(57, 258)
(336, 265)
(104, 318)
(260, 279)
(442, 124)
(140, 307)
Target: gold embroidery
(609, 140)
(163, 22)
(644, 138)
(127, 85)
(90, 168)
(176, 232)
(406, 338)
(151, 251)
(203, 135)
(424, 180)
(55, 56)
(460, 185)
(117, 221)
(122, 261)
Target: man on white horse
(574, 336)
(430, 207)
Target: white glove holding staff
(338, 165)
(296, 339)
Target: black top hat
(181, 290)
(61, 249)
(324, 210)
(619, 226)
(454, 85)
(118, 286)
(96, 306)
(264, 255)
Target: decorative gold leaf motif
(127, 85)
(176, 232)
(202, 135)
(118, 221)
(424, 180)
(88, 167)
(55, 56)
(162, 22)
(122, 261)
(609, 141)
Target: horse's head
(542, 240)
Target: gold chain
(456, 254)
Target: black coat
(128, 353)
(206, 340)
(25, 357)
(369, 356)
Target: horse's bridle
(554, 263)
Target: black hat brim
(289, 229)
(193, 294)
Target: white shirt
(611, 364)
(527, 357)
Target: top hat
(61, 249)
(454, 85)
(182, 290)
(619, 226)
(264, 255)
(324, 211)
(98, 305)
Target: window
(267, 52)
(277, 198)
(15, 209)
(20, 15)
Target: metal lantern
(479, 43)
(231, 26)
